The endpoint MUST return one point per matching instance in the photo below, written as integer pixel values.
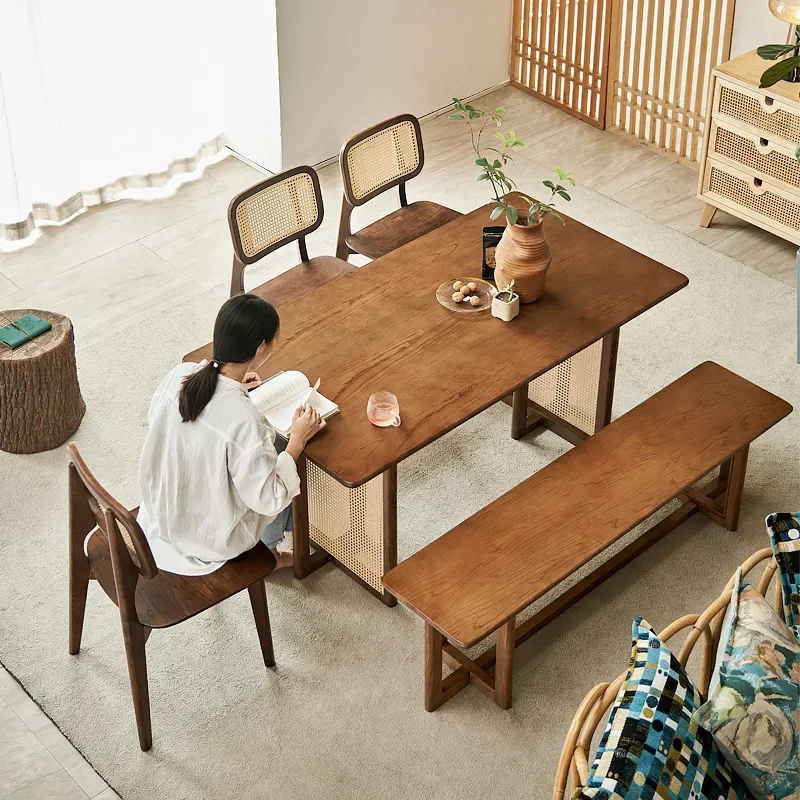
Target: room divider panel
(637, 67)
(559, 52)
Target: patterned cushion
(754, 713)
(651, 748)
(784, 534)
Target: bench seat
(476, 578)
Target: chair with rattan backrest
(275, 212)
(107, 544)
(372, 162)
(574, 764)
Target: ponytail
(244, 322)
(197, 391)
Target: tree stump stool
(40, 399)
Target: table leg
(504, 667)
(304, 562)
(355, 528)
(574, 398)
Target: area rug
(342, 714)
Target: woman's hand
(306, 422)
(251, 380)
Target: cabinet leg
(707, 215)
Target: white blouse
(209, 486)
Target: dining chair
(386, 155)
(282, 209)
(106, 544)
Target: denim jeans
(273, 533)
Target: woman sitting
(213, 481)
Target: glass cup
(383, 410)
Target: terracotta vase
(523, 256)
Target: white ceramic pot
(505, 310)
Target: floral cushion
(784, 534)
(754, 713)
(651, 748)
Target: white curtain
(101, 96)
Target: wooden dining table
(381, 328)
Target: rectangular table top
(512, 552)
(382, 329)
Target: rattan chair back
(386, 155)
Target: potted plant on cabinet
(523, 254)
(505, 304)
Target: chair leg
(80, 573)
(342, 250)
(135, 636)
(258, 600)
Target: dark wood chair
(386, 155)
(276, 211)
(120, 560)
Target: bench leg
(433, 668)
(504, 665)
(734, 471)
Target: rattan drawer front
(759, 111)
(757, 154)
(570, 389)
(765, 203)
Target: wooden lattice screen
(664, 53)
(559, 52)
(637, 67)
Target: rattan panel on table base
(570, 389)
(40, 398)
(348, 523)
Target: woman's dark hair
(243, 323)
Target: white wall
(754, 25)
(347, 64)
(252, 123)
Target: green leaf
(456, 116)
(771, 52)
(549, 185)
(482, 176)
(556, 215)
(481, 162)
(499, 135)
(518, 143)
(496, 212)
(474, 114)
(497, 164)
(512, 215)
(779, 71)
(563, 194)
(500, 111)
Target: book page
(280, 390)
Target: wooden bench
(479, 576)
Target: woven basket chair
(386, 155)
(118, 556)
(282, 209)
(575, 762)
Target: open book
(279, 396)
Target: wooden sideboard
(748, 165)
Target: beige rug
(342, 715)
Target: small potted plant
(523, 254)
(505, 304)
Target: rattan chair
(276, 211)
(118, 557)
(576, 758)
(373, 161)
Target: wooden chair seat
(303, 279)
(168, 599)
(479, 576)
(400, 227)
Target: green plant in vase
(523, 254)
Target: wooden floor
(126, 261)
